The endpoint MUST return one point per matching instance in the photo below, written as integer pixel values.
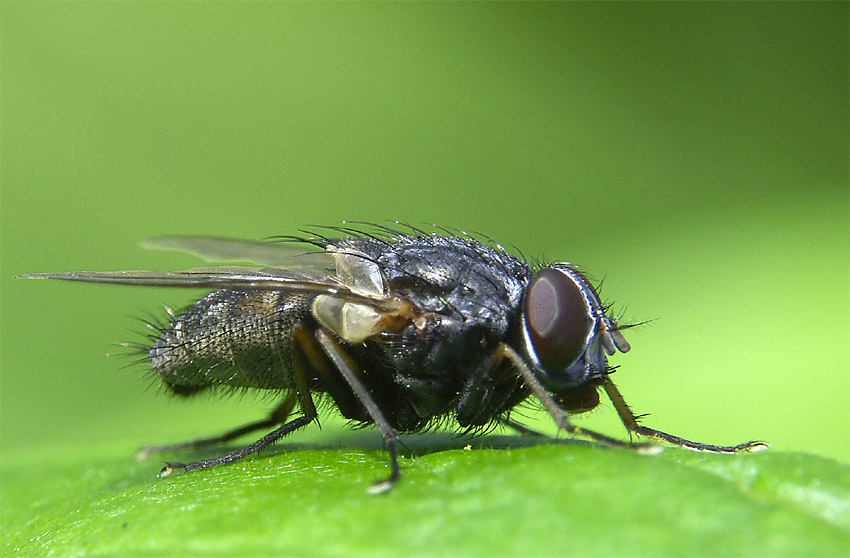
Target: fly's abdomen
(232, 338)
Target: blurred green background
(693, 155)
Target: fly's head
(566, 333)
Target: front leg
(487, 392)
(555, 411)
(630, 421)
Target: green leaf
(503, 496)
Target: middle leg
(348, 369)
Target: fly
(398, 329)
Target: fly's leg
(486, 391)
(277, 416)
(300, 364)
(348, 369)
(558, 414)
(630, 421)
(259, 445)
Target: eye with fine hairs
(557, 319)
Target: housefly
(399, 329)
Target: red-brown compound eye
(557, 319)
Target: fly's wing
(233, 277)
(346, 266)
(266, 253)
(352, 297)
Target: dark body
(468, 295)
(403, 331)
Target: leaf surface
(504, 496)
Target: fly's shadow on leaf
(364, 440)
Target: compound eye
(557, 319)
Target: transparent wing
(271, 253)
(232, 277)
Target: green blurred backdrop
(693, 155)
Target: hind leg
(300, 394)
(277, 416)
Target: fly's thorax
(457, 299)
(455, 276)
